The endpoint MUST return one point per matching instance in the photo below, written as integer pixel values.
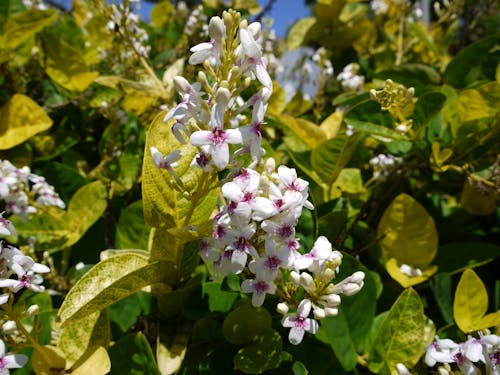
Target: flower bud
(33, 310)
(243, 25)
(228, 19)
(282, 308)
(306, 280)
(329, 274)
(357, 277)
(270, 165)
(319, 313)
(216, 28)
(254, 29)
(9, 327)
(331, 300)
(182, 84)
(294, 275)
(222, 97)
(402, 128)
(331, 311)
(350, 289)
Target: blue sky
(284, 12)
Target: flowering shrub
(195, 195)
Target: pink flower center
(272, 262)
(261, 286)
(285, 231)
(218, 136)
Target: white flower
(254, 61)
(441, 350)
(300, 323)
(259, 287)
(210, 50)
(218, 141)
(6, 227)
(10, 361)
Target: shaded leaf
(261, 355)
(132, 355)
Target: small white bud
(223, 95)
(331, 311)
(357, 277)
(294, 275)
(350, 289)
(331, 300)
(254, 29)
(243, 25)
(182, 84)
(282, 308)
(306, 280)
(402, 369)
(319, 313)
(9, 327)
(216, 28)
(402, 128)
(33, 310)
(329, 273)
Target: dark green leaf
(454, 258)
(132, 355)
(261, 355)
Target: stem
(399, 54)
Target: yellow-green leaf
(408, 233)
(47, 359)
(393, 268)
(98, 363)
(23, 26)
(332, 124)
(471, 303)
(478, 202)
(108, 282)
(84, 336)
(54, 228)
(307, 131)
(162, 13)
(21, 118)
(165, 204)
(401, 336)
(298, 32)
(472, 106)
(65, 65)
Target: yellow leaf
(84, 336)
(332, 123)
(393, 268)
(65, 65)
(168, 77)
(170, 357)
(277, 102)
(478, 202)
(408, 233)
(471, 303)
(162, 13)
(46, 360)
(97, 363)
(298, 32)
(307, 131)
(20, 119)
(472, 106)
(137, 103)
(23, 26)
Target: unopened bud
(243, 24)
(228, 19)
(33, 310)
(270, 165)
(331, 311)
(402, 128)
(319, 313)
(216, 28)
(9, 327)
(331, 300)
(402, 369)
(282, 308)
(357, 277)
(234, 71)
(182, 84)
(329, 273)
(350, 289)
(294, 275)
(373, 94)
(223, 95)
(411, 91)
(247, 82)
(306, 280)
(254, 29)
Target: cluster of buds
(350, 79)
(19, 188)
(383, 165)
(126, 22)
(196, 23)
(254, 227)
(379, 6)
(398, 101)
(468, 355)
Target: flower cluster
(10, 361)
(255, 224)
(383, 165)
(19, 188)
(126, 22)
(467, 355)
(350, 79)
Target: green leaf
(442, 289)
(400, 337)
(261, 355)
(471, 303)
(419, 76)
(126, 311)
(244, 323)
(330, 157)
(64, 64)
(298, 368)
(335, 332)
(456, 257)
(408, 233)
(218, 299)
(132, 355)
(65, 179)
(472, 106)
(54, 228)
(131, 230)
(373, 129)
(108, 282)
(20, 119)
(23, 26)
(477, 61)
(82, 337)
(427, 106)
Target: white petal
(233, 136)
(4, 298)
(304, 308)
(16, 360)
(200, 138)
(258, 299)
(296, 335)
(247, 286)
(263, 75)
(220, 155)
(250, 47)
